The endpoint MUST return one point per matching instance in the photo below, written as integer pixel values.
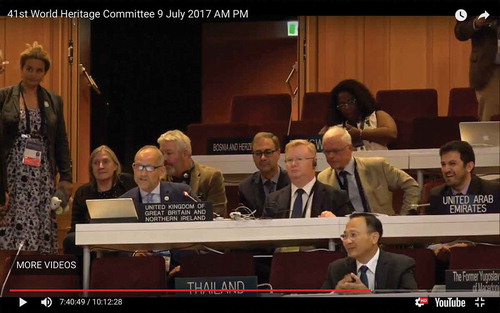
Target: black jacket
(55, 130)
(394, 271)
(251, 191)
(326, 198)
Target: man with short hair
(305, 196)
(254, 189)
(148, 170)
(206, 182)
(368, 181)
(367, 266)
(457, 166)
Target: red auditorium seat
(215, 265)
(477, 257)
(462, 102)
(301, 270)
(316, 106)
(405, 105)
(256, 109)
(433, 132)
(145, 272)
(54, 278)
(425, 268)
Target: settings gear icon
(421, 301)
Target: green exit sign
(293, 28)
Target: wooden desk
(278, 232)
(237, 167)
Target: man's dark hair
(372, 222)
(462, 147)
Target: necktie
(345, 183)
(363, 276)
(149, 198)
(297, 205)
(269, 186)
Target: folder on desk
(119, 210)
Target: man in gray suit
(484, 72)
(367, 266)
(368, 181)
(254, 189)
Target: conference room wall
(243, 58)
(386, 52)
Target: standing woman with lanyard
(34, 150)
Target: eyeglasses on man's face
(267, 153)
(148, 168)
(352, 236)
(345, 105)
(297, 160)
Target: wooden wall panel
(243, 58)
(384, 52)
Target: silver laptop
(480, 134)
(119, 210)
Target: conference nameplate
(464, 204)
(473, 280)
(238, 145)
(216, 286)
(317, 140)
(175, 212)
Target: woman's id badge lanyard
(33, 152)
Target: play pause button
(22, 302)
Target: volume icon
(47, 302)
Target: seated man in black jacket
(367, 266)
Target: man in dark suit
(484, 72)
(457, 164)
(367, 266)
(305, 197)
(254, 189)
(148, 170)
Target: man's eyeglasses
(267, 153)
(352, 236)
(346, 104)
(148, 168)
(298, 160)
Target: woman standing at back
(34, 150)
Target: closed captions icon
(461, 15)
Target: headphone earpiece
(235, 216)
